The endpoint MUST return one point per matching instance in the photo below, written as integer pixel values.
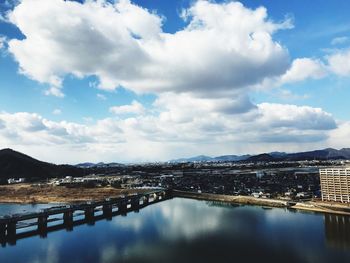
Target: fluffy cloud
(301, 69)
(135, 107)
(183, 107)
(303, 118)
(24, 128)
(291, 123)
(339, 63)
(202, 76)
(2, 42)
(340, 137)
(55, 90)
(304, 68)
(224, 46)
(339, 40)
(194, 127)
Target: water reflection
(183, 230)
(337, 229)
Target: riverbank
(27, 194)
(323, 207)
(310, 206)
(245, 200)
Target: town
(299, 180)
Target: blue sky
(155, 80)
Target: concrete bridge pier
(145, 200)
(168, 194)
(42, 225)
(123, 207)
(68, 220)
(135, 204)
(11, 232)
(2, 230)
(90, 215)
(107, 211)
(3, 234)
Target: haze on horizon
(157, 80)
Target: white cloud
(300, 117)
(339, 40)
(202, 76)
(304, 68)
(300, 70)
(101, 96)
(339, 62)
(2, 41)
(197, 126)
(57, 111)
(124, 45)
(135, 107)
(54, 91)
(287, 95)
(339, 138)
(183, 107)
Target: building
(16, 180)
(335, 184)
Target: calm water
(183, 230)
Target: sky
(154, 80)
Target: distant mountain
(18, 165)
(199, 158)
(278, 154)
(98, 165)
(85, 165)
(231, 158)
(264, 157)
(325, 154)
(204, 158)
(15, 164)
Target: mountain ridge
(324, 154)
(15, 164)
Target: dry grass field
(26, 193)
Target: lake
(185, 230)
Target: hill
(325, 154)
(265, 157)
(199, 158)
(99, 165)
(14, 164)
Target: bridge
(19, 226)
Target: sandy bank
(247, 200)
(25, 193)
(319, 207)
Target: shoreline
(310, 206)
(27, 194)
(240, 199)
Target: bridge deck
(10, 223)
(72, 208)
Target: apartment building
(335, 184)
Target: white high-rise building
(335, 184)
